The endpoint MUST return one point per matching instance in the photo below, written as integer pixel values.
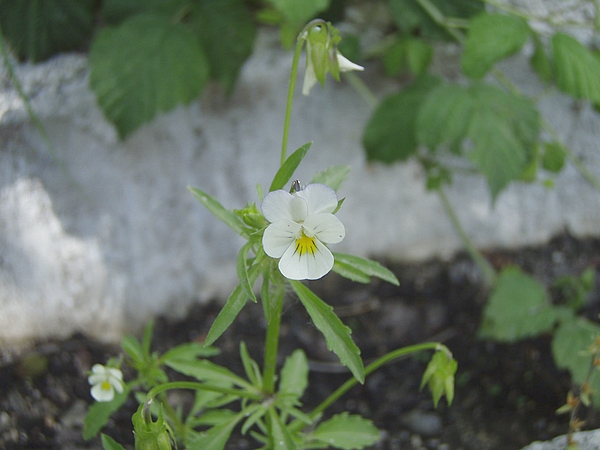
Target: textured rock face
(104, 234)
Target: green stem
(297, 425)
(362, 89)
(197, 386)
(489, 274)
(439, 18)
(290, 96)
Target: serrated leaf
(367, 267)
(38, 29)
(571, 350)
(226, 31)
(390, 133)
(225, 215)
(214, 438)
(109, 443)
(444, 116)
(347, 432)
(333, 176)
(576, 68)
(413, 20)
(294, 377)
(146, 65)
(518, 308)
(337, 335)
(116, 11)
(504, 129)
(491, 37)
(99, 413)
(288, 168)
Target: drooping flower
(301, 224)
(105, 381)
(322, 56)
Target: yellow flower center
(305, 244)
(105, 385)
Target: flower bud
(150, 435)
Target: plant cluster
(286, 243)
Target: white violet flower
(105, 381)
(301, 223)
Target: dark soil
(506, 394)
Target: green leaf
(444, 116)
(116, 11)
(540, 61)
(147, 338)
(418, 56)
(288, 168)
(491, 37)
(333, 176)
(250, 366)
(337, 335)
(214, 438)
(298, 13)
(109, 443)
(439, 375)
(227, 32)
(350, 272)
(394, 58)
(413, 20)
(279, 435)
(390, 133)
(504, 129)
(553, 158)
(347, 432)
(203, 370)
(189, 351)
(518, 308)
(100, 412)
(576, 68)
(242, 271)
(38, 29)
(294, 377)
(367, 267)
(134, 349)
(145, 66)
(571, 350)
(226, 216)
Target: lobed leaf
(214, 438)
(337, 335)
(294, 376)
(491, 37)
(146, 65)
(576, 68)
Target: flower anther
(105, 381)
(301, 223)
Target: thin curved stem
(197, 386)
(290, 97)
(489, 274)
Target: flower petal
(276, 206)
(279, 236)
(320, 198)
(306, 266)
(346, 65)
(325, 227)
(310, 78)
(102, 395)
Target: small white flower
(310, 77)
(105, 381)
(301, 223)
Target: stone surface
(103, 234)
(586, 440)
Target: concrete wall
(104, 234)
